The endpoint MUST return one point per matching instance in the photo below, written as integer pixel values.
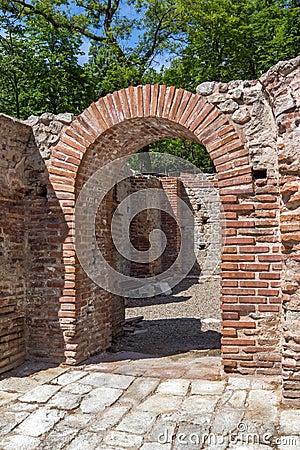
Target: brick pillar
(282, 85)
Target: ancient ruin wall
(251, 260)
(141, 226)
(202, 194)
(22, 178)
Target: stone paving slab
(91, 407)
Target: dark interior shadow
(165, 337)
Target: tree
(14, 56)
(130, 43)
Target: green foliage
(187, 150)
(40, 42)
(190, 156)
(39, 68)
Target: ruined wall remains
(142, 225)
(202, 194)
(282, 87)
(13, 144)
(46, 230)
(251, 260)
(50, 307)
(22, 179)
(31, 227)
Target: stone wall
(31, 228)
(251, 260)
(22, 179)
(142, 225)
(202, 194)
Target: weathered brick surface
(13, 186)
(141, 226)
(250, 129)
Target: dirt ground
(188, 319)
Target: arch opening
(194, 186)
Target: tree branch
(54, 22)
(109, 12)
(156, 39)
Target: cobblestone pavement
(133, 401)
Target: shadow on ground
(29, 367)
(164, 299)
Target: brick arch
(149, 113)
(199, 120)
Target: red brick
(269, 276)
(230, 349)
(239, 240)
(229, 332)
(255, 267)
(229, 299)
(238, 291)
(229, 199)
(230, 316)
(254, 249)
(202, 111)
(270, 258)
(176, 103)
(229, 363)
(238, 275)
(239, 308)
(242, 223)
(254, 284)
(268, 308)
(193, 101)
(240, 258)
(249, 299)
(183, 105)
(268, 292)
(229, 283)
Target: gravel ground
(189, 319)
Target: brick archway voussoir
(192, 111)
